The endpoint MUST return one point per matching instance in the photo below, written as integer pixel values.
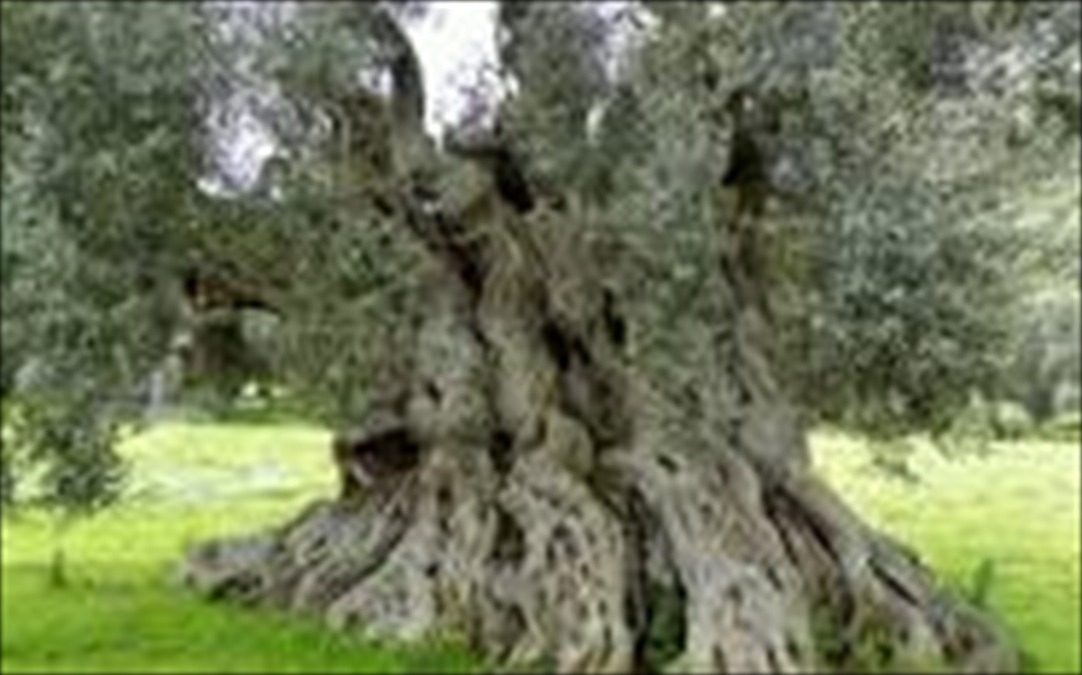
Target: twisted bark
(554, 515)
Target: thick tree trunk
(534, 496)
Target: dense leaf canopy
(892, 142)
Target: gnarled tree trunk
(533, 494)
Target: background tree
(565, 412)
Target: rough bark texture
(549, 513)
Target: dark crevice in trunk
(781, 505)
(511, 184)
(562, 539)
(666, 624)
(500, 450)
(784, 508)
(505, 165)
(444, 500)
(657, 600)
(668, 463)
(586, 393)
(896, 586)
(772, 660)
(636, 513)
(557, 344)
(375, 461)
(466, 259)
(244, 589)
(510, 546)
(773, 577)
(448, 240)
(614, 322)
(566, 348)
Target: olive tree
(549, 342)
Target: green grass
(1015, 512)
(142, 625)
(123, 611)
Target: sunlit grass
(1018, 508)
(123, 611)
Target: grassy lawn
(122, 610)
(1018, 508)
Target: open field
(121, 610)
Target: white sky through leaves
(456, 42)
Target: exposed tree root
(550, 567)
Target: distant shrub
(1009, 420)
(1065, 427)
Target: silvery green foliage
(96, 145)
(894, 135)
(913, 268)
(344, 276)
(896, 145)
(547, 118)
(1043, 365)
